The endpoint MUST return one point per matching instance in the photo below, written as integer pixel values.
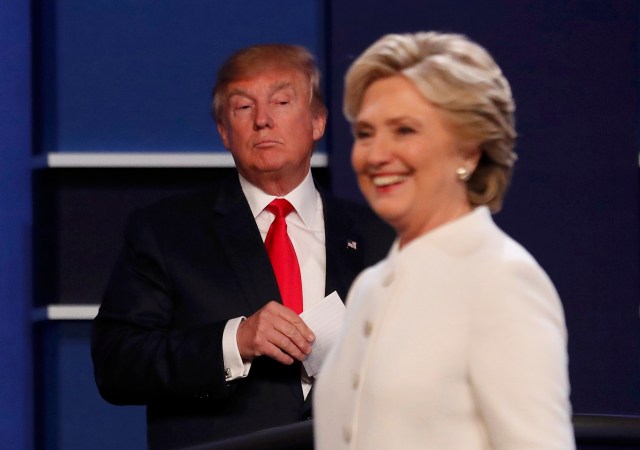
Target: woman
(457, 339)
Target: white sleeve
(518, 361)
(234, 367)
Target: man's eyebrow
(275, 87)
(279, 85)
(238, 91)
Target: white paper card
(325, 320)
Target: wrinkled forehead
(268, 80)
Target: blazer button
(368, 327)
(346, 434)
(388, 279)
(356, 381)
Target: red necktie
(283, 256)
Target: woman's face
(405, 156)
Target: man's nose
(262, 118)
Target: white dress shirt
(305, 227)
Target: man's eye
(242, 109)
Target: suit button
(368, 327)
(346, 434)
(356, 381)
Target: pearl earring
(463, 173)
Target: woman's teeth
(386, 180)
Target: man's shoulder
(176, 204)
(358, 219)
(180, 209)
(193, 200)
(349, 209)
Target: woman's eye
(405, 130)
(362, 134)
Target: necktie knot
(280, 207)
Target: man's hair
(463, 81)
(257, 59)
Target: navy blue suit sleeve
(140, 353)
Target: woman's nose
(380, 150)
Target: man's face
(269, 128)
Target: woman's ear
(470, 156)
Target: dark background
(573, 203)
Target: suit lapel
(343, 261)
(243, 246)
(241, 242)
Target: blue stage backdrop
(137, 76)
(15, 226)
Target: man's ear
(223, 134)
(319, 123)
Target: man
(192, 323)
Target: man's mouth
(265, 143)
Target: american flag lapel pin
(353, 245)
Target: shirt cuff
(234, 367)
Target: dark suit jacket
(189, 264)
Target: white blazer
(457, 342)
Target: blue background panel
(136, 75)
(15, 226)
(71, 413)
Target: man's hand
(277, 332)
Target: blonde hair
(260, 58)
(464, 82)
